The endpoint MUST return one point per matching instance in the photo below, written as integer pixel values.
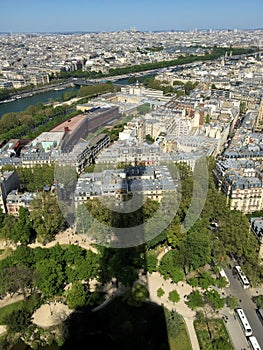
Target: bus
(223, 275)
(244, 322)
(260, 314)
(242, 277)
(254, 343)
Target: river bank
(33, 98)
(47, 94)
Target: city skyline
(116, 15)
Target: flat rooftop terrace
(72, 124)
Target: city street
(246, 303)
(234, 329)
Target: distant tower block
(259, 122)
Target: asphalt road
(236, 334)
(246, 303)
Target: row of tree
(166, 87)
(34, 120)
(34, 179)
(201, 245)
(214, 53)
(42, 223)
(7, 93)
(96, 89)
(47, 271)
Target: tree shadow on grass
(118, 326)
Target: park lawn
(6, 310)
(218, 331)
(181, 342)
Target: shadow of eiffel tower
(128, 319)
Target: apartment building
(148, 181)
(16, 200)
(130, 152)
(8, 181)
(241, 182)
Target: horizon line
(128, 30)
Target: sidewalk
(234, 330)
(156, 281)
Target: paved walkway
(156, 281)
(48, 314)
(162, 253)
(8, 299)
(51, 314)
(66, 237)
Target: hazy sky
(111, 15)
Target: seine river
(43, 97)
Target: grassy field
(181, 342)
(5, 310)
(212, 334)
